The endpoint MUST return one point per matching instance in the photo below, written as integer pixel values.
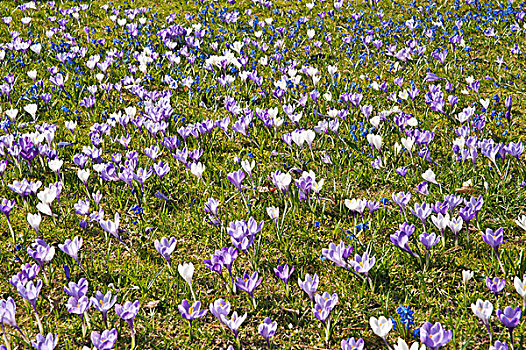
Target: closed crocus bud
(187, 272)
(466, 276)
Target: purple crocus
(338, 254)
(8, 314)
(105, 340)
(401, 199)
(422, 212)
(191, 312)
(322, 310)
(103, 303)
(494, 238)
(165, 247)
(352, 344)
(127, 312)
(234, 322)
(363, 264)
(283, 272)
(495, 285)
(220, 307)
(434, 336)
(77, 290)
(309, 285)
(267, 329)
(41, 252)
(71, 248)
(510, 318)
(249, 284)
(45, 343)
(236, 178)
(499, 346)
(78, 306)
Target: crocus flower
(494, 238)
(510, 318)
(249, 284)
(236, 178)
(401, 199)
(483, 310)
(402, 345)
(127, 312)
(495, 285)
(283, 272)
(112, 227)
(309, 285)
(338, 254)
(191, 312)
(267, 329)
(434, 336)
(78, 306)
(187, 272)
(381, 326)
(45, 343)
(165, 247)
(71, 248)
(520, 287)
(104, 341)
(220, 307)
(499, 346)
(352, 344)
(8, 314)
(363, 264)
(234, 322)
(103, 303)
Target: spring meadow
(264, 174)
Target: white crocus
(381, 326)
(83, 175)
(429, 176)
(187, 272)
(34, 220)
(402, 345)
(521, 222)
(483, 310)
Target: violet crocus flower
(234, 322)
(41, 252)
(30, 293)
(105, 340)
(220, 307)
(127, 312)
(510, 318)
(322, 310)
(236, 178)
(499, 346)
(352, 344)
(309, 285)
(428, 240)
(494, 238)
(338, 254)
(267, 329)
(401, 199)
(363, 264)
(191, 312)
(434, 336)
(495, 285)
(8, 314)
(249, 284)
(103, 303)
(71, 248)
(77, 290)
(283, 272)
(78, 306)
(165, 247)
(422, 212)
(45, 343)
